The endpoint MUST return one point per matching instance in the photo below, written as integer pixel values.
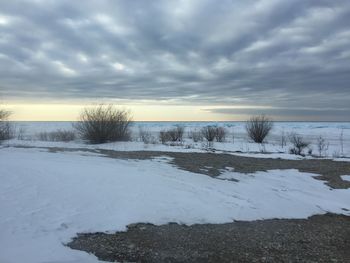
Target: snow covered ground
(47, 198)
(336, 135)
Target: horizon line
(179, 121)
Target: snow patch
(46, 199)
(346, 177)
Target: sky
(176, 59)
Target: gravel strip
(321, 238)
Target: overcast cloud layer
(292, 56)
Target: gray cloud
(280, 114)
(287, 54)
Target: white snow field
(47, 198)
(336, 135)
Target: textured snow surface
(46, 198)
(336, 135)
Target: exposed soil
(213, 164)
(321, 238)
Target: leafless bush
(341, 139)
(337, 154)
(309, 151)
(209, 133)
(146, 136)
(258, 127)
(173, 135)
(299, 144)
(6, 131)
(164, 136)
(4, 115)
(104, 123)
(176, 134)
(322, 146)
(283, 139)
(43, 136)
(21, 133)
(220, 134)
(62, 135)
(57, 136)
(195, 135)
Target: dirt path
(321, 238)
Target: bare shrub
(43, 136)
(21, 132)
(283, 139)
(337, 154)
(146, 136)
(176, 134)
(299, 144)
(172, 135)
(322, 146)
(6, 131)
(164, 136)
(4, 115)
(341, 139)
(195, 135)
(57, 136)
(104, 123)
(233, 136)
(258, 127)
(209, 133)
(309, 151)
(220, 134)
(62, 135)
